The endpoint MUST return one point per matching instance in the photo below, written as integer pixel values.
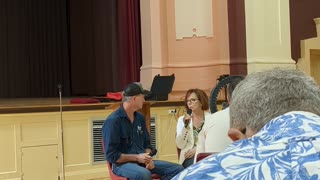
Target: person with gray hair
(271, 94)
(275, 123)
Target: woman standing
(189, 125)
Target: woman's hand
(186, 120)
(190, 153)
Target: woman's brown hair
(202, 97)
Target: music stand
(161, 87)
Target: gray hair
(262, 96)
(126, 98)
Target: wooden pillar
(146, 112)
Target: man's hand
(150, 165)
(190, 153)
(144, 158)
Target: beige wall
(195, 61)
(198, 61)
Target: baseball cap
(134, 89)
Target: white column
(268, 34)
(153, 37)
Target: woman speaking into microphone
(190, 124)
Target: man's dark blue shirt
(123, 137)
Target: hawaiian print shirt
(288, 147)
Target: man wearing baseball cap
(135, 89)
(127, 142)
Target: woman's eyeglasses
(192, 100)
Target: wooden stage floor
(25, 105)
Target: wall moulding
(199, 63)
(270, 61)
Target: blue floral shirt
(288, 147)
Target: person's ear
(250, 132)
(236, 134)
(133, 98)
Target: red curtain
(105, 45)
(129, 43)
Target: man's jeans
(166, 170)
(188, 162)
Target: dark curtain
(89, 46)
(105, 45)
(130, 55)
(33, 48)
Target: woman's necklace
(198, 121)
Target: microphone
(59, 88)
(189, 111)
(153, 152)
(187, 121)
